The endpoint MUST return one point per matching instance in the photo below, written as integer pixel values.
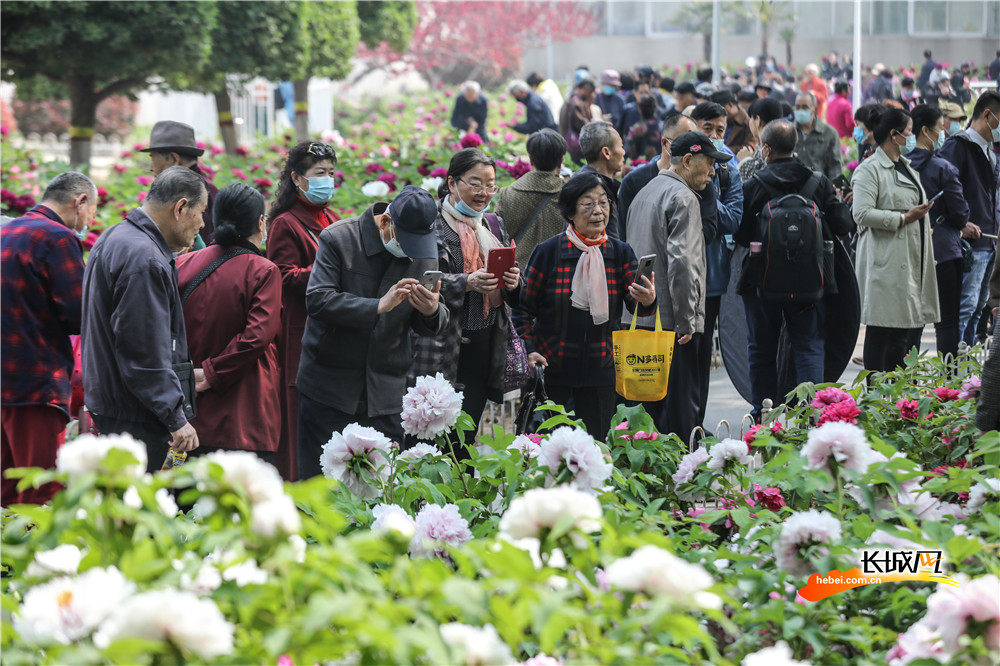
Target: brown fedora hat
(170, 136)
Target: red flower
(263, 184)
(751, 435)
(946, 394)
(103, 196)
(238, 173)
(389, 179)
(471, 140)
(144, 180)
(846, 411)
(439, 172)
(373, 168)
(242, 151)
(908, 409)
(769, 498)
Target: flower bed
(539, 549)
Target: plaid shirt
(42, 265)
(578, 351)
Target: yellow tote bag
(642, 361)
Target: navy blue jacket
(464, 109)
(612, 105)
(539, 116)
(979, 185)
(949, 213)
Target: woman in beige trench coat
(895, 260)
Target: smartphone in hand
(429, 279)
(645, 268)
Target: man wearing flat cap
(172, 144)
(363, 299)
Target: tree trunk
(224, 108)
(765, 37)
(83, 101)
(301, 108)
(788, 53)
(707, 44)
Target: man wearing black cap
(172, 144)
(664, 219)
(363, 299)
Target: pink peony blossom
(908, 409)
(419, 451)
(431, 407)
(528, 447)
(357, 447)
(950, 610)
(689, 465)
(574, 451)
(374, 168)
(844, 412)
(437, 528)
(970, 389)
(119, 168)
(770, 498)
(439, 172)
(238, 173)
(946, 394)
(750, 436)
(141, 196)
(471, 140)
(800, 530)
(285, 660)
(393, 517)
(830, 396)
(144, 180)
(844, 442)
(542, 659)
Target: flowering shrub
(539, 549)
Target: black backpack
(791, 233)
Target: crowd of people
(193, 338)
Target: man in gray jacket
(665, 219)
(818, 144)
(133, 323)
(363, 299)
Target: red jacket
(818, 88)
(840, 116)
(292, 240)
(232, 321)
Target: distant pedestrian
(471, 109)
(538, 114)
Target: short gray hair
(64, 187)
(470, 85)
(675, 160)
(518, 86)
(174, 184)
(594, 136)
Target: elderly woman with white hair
(815, 84)
(538, 114)
(470, 111)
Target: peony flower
(432, 184)
(983, 493)
(438, 527)
(778, 654)
(245, 573)
(908, 409)
(62, 560)
(374, 168)
(528, 447)
(946, 394)
(541, 509)
(392, 517)
(542, 659)
(475, 646)
(375, 189)
(244, 471)
(830, 396)
(728, 450)
(471, 140)
(418, 451)
(919, 642)
(188, 622)
(165, 502)
(950, 610)
(532, 546)
(87, 454)
(207, 580)
(769, 498)
(389, 179)
(844, 442)
(276, 515)
(575, 451)
(144, 181)
(846, 412)
(654, 572)
(68, 609)
(347, 453)
(689, 465)
(800, 530)
(970, 389)
(431, 407)
(750, 436)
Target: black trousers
(595, 405)
(949, 280)
(678, 412)
(155, 436)
(474, 371)
(885, 348)
(317, 422)
(705, 345)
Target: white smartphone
(934, 198)
(645, 268)
(430, 279)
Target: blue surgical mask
(803, 116)
(320, 189)
(940, 140)
(609, 90)
(955, 127)
(859, 135)
(469, 211)
(911, 144)
(393, 247)
(720, 145)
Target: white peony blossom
(62, 560)
(207, 580)
(656, 572)
(276, 515)
(778, 654)
(541, 508)
(418, 451)
(356, 444)
(245, 573)
(375, 189)
(66, 610)
(981, 493)
(576, 450)
(844, 442)
(430, 407)
(476, 646)
(298, 547)
(726, 450)
(244, 470)
(86, 454)
(165, 501)
(192, 624)
(803, 529)
(131, 498)
(527, 446)
(689, 465)
(532, 546)
(391, 517)
(432, 184)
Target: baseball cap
(696, 143)
(684, 88)
(413, 211)
(951, 110)
(610, 77)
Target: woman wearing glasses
(574, 289)
(471, 353)
(298, 215)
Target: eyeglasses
(590, 205)
(479, 189)
(321, 150)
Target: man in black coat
(470, 110)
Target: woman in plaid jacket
(575, 287)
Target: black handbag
(528, 420)
(966, 254)
(185, 375)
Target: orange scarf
(590, 284)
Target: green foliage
(391, 21)
(329, 36)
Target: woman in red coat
(297, 217)
(232, 299)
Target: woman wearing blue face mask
(232, 317)
(298, 215)
(949, 220)
(895, 258)
(472, 350)
(865, 118)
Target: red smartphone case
(499, 260)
